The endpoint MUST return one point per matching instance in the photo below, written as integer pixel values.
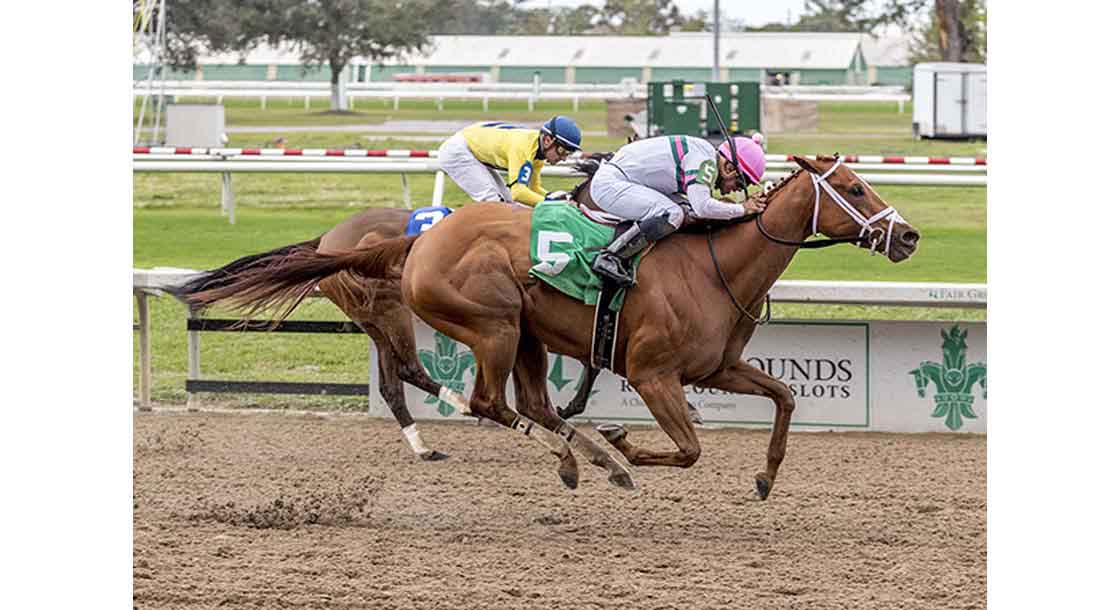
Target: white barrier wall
(875, 376)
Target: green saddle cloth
(562, 245)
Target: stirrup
(611, 267)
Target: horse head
(858, 210)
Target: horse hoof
(570, 476)
(612, 432)
(762, 485)
(622, 479)
(433, 456)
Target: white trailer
(950, 100)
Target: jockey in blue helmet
(473, 156)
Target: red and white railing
(283, 152)
(432, 154)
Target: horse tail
(279, 280)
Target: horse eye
(856, 191)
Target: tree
(641, 17)
(953, 31)
(573, 21)
(195, 27)
(333, 32)
(838, 16)
(481, 17)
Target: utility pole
(715, 41)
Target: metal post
(396, 103)
(145, 350)
(407, 194)
(307, 102)
(715, 43)
(486, 103)
(437, 191)
(575, 104)
(263, 98)
(193, 357)
(227, 196)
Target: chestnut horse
(686, 322)
(373, 304)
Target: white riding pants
(479, 181)
(614, 194)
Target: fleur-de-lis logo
(446, 365)
(953, 379)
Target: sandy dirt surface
(283, 511)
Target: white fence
(484, 92)
(228, 165)
(867, 375)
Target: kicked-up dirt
(240, 510)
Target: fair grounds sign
(876, 376)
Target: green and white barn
(796, 58)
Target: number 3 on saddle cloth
(425, 218)
(563, 243)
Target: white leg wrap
(455, 399)
(413, 436)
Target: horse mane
(772, 191)
(587, 166)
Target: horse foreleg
(665, 399)
(742, 378)
(586, 384)
(533, 402)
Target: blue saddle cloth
(425, 218)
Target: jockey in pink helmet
(752, 160)
(636, 184)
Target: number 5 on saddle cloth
(563, 244)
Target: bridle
(868, 234)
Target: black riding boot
(611, 262)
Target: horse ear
(943, 335)
(964, 335)
(805, 164)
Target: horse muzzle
(904, 244)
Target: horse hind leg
(495, 351)
(371, 308)
(392, 390)
(533, 402)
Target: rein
(727, 288)
(867, 234)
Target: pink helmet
(752, 160)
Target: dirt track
(281, 511)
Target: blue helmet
(565, 130)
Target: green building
(805, 58)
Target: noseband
(872, 236)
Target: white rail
(152, 282)
(487, 91)
(361, 165)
